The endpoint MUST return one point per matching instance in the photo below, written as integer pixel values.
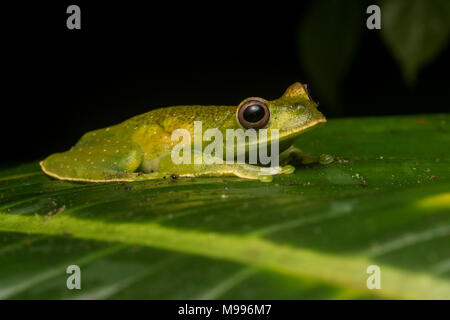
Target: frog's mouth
(289, 136)
(302, 129)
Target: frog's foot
(296, 156)
(287, 169)
(264, 174)
(326, 158)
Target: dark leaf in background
(415, 31)
(329, 36)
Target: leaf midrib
(248, 250)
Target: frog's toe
(265, 178)
(287, 169)
(326, 159)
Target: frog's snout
(316, 114)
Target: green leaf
(385, 202)
(415, 31)
(329, 35)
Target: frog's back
(182, 116)
(153, 130)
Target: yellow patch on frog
(156, 140)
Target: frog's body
(139, 148)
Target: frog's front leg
(217, 169)
(295, 156)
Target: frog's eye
(253, 113)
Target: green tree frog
(140, 148)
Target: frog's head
(292, 114)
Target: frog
(140, 147)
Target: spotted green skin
(139, 148)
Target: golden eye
(253, 113)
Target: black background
(129, 58)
